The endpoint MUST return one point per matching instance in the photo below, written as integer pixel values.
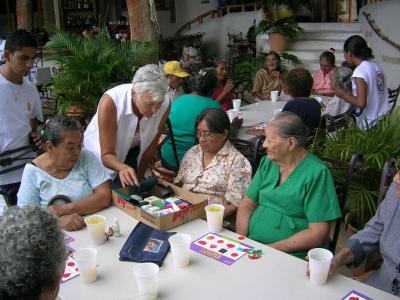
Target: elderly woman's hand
(57, 210)
(128, 176)
(72, 222)
(275, 74)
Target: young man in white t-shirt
(20, 108)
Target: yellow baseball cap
(173, 67)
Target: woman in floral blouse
(214, 167)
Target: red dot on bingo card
(241, 237)
(230, 246)
(213, 246)
(220, 241)
(234, 254)
(76, 269)
(71, 264)
(66, 275)
(210, 237)
(202, 242)
(245, 250)
(354, 298)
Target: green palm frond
(287, 26)
(92, 65)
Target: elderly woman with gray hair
(65, 173)
(127, 125)
(342, 79)
(291, 199)
(32, 255)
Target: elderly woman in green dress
(291, 199)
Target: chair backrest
(252, 150)
(393, 96)
(169, 134)
(342, 178)
(388, 172)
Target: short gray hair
(150, 78)
(342, 78)
(55, 127)
(32, 253)
(289, 125)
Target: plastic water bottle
(33, 74)
(117, 231)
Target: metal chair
(393, 96)
(342, 180)
(251, 150)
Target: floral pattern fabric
(224, 180)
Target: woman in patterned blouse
(214, 167)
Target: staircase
(317, 38)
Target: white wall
(186, 10)
(386, 16)
(216, 30)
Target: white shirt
(127, 122)
(377, 94)
(172, 94)
(19, 103)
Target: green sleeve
(321, 203)
(255, 185)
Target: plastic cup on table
(86, 261)
(215, 217)
(236, 104)
(274, 96)
(96, 226)
(147, 280)
(180, 248)
(319, 263)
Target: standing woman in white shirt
(125, 129)
(369, 83)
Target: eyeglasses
(205, 134)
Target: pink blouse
(322, 82)
(225, 179)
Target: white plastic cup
(319, 99)
(232, 114)
(215, 217)
(180, 248)
(274, 96)
(96, 226)
(236, 104)
(319, 262)
(86, 261)
(277, 111)
(147, 280)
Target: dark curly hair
(299, 82)
(32, 253)
(205, 82)
(19, 39)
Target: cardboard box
(196, 210)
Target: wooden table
(275, 275)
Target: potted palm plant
(90, 66)
(287, 8)
(279, 32)
(376, 145)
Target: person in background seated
(20, 107)
(380, 233)
(342, 79)
(214, 167)
(268, 78)
(191, 60)
(184, 112)
(65, 171)
(175, 75)
(292, 199)
(322, 77)
(32, 254)
(223, 94)
(125, 130)
(370, 93)
(299, 84)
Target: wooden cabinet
(77, 15)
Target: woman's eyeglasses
(205, 134)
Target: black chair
(388, 172)
(251, 150)
(342, 178)
(241, 86)
(167, 170)
(393, 96)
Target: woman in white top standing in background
(128, 122)
(369, 84)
